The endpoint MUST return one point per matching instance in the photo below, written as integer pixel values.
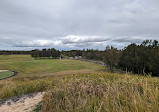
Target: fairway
(5, 74)
(25, 65)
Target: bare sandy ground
(24, 103)
(3, 70)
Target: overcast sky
(76, 24)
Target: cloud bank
(72, 24)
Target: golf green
(5, 74)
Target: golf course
(25, 65)
(75, 85)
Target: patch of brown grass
(103, 92)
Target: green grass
(78, 86)
(8, 58)
(26, 65)
(5, 74)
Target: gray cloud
(83, 39)
(69, 24)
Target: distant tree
(111, 57)
(4, 52)
(141, 59)
(36, 53)
(48, 53)
(129, 58)
(55, 53)
(58, 53)
(44, 53)
(78, 53)
(33, 53)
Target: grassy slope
(5, 74)
(26, 65)
(78, 89)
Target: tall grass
(103, 93)
(89, 92)
(75, 86)
(15, 89)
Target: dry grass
(93, 92)
(103, 92)
(81, 90)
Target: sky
(76, 24)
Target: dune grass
(5, 74)
(81, 89)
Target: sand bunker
(24, 103)
(3, 70)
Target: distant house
(70, 58)
(58, 58)
(76, 57)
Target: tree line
(87, 54)
(139, 59)
(49, 53)
(5, 52)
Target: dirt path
(24, 103)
